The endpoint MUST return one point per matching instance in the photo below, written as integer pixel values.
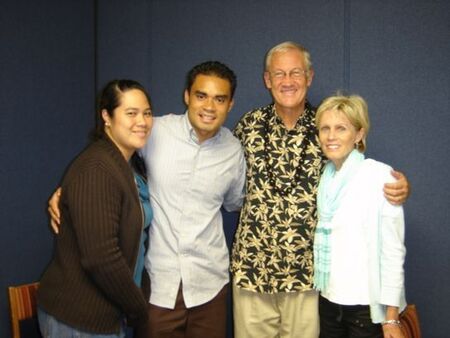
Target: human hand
(53, 210)
(397, 192)
(392, 331)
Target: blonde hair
(354, 107)
(287, 46)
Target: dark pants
(346, 321)
(206, 320)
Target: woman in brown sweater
(91, 286)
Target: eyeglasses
(293, 74)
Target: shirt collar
(305, 116)
(191, 134)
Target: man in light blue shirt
(195, 166)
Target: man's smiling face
(208, 101)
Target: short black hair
(214, 68)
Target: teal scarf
(144, 197)
(332, 187)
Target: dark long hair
(109, 99)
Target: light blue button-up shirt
(189, 183)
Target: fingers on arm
(398, 191)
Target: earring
(107, 124)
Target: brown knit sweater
(89, 282)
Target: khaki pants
(282, 315)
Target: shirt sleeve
(238, 131)
(235, 195)
(393, 253)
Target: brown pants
(206, 320)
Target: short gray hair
(284, 47)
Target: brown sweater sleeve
(95, 201)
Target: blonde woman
(358, 245)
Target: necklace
(282, 187)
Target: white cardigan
(367, 242)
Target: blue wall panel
(399, 60)
(123, 44)
(47, 104)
